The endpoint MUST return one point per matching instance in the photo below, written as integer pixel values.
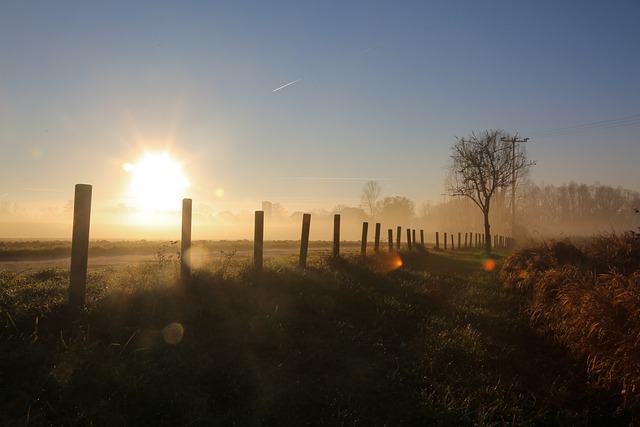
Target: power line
(588, 127)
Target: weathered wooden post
(413, 236)
(390, 233)
(466, 240)
(445, 240)
(437, 240)
(80, 246)
(304, 239)
(336, 235)
(398, 238)
(258, 241)
(459, 238)
(452, 245)
(185, 241)
(365, 231)
(422, 238)
(408, 238)
(376, 246)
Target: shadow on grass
(347, 341)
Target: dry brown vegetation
(587, 295)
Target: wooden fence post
(466, 240)
(365, 231)
(422, 238)
(452, 245)
(80, 246)
(390, 233)
(445, 241)
(185, 241)
(437, 240)
(258, 241)
(304, 239)
(376, 246)
(336, 235)
(459, 234)
(408, 238)
(398, 238)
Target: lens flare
(173, 333)
(489, 264)
(389, 261)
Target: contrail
(326, 178)
(288, 84)
(339, 62)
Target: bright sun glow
(157, 182)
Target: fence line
(185, 242)
(80, 246)
(82, 219)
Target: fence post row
(304, 239)
(82, 220)
(185, 241)
(80, 246)
(258, 240)
(336, 235)
(365, 231)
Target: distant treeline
(569, 209)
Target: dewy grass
(588, 298)
(346, 341)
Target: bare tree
(481, 165)
(370, 198)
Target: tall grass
(588, 297)
(351, 341)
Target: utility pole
(513, 180)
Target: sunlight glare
(157, 182)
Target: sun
(157, 182)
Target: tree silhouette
(482, 164)
(370, 198)
(397, 210)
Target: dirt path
(123, 260)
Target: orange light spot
(389, 261)
(489, 264)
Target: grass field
(349, 341)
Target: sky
(301, 103)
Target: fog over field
(300, 105)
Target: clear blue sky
(380, 90)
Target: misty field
(449, 338)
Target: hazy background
(301, 103)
